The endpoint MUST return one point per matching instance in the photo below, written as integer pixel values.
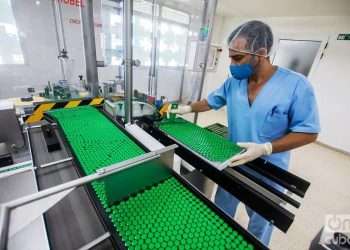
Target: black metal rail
(284, 178)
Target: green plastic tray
(206, 143)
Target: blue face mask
(240, 72)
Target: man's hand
(181, 110)
(253, 151)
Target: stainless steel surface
(101, 173)
(41, 156)
(127, 50)
(205, 185)
(14, 186)
(10, 131)
(23, 216)
(25, 163)
(87, 21)
(81, 181)
(96, 241)
(54, 163)
(73, 222)
(7, 174)
(208, 22)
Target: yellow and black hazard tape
(40, 109)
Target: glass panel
(172, 46)
(10, 50)
(28, 48)
(111, 35)
(297, 55)
(175, 15)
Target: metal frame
(57, 14)
(127, 51)
(208, 20)
(87, 22)
(7, 207)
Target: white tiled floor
(327, 170)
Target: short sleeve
(217, 98)
(303, 115)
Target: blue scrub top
(286, 103)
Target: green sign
(343, 37)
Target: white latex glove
(253, 151)
(181, 110)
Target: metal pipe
(127, 50)
(101, 173)
(207, 22)
(96, 241)
(56, 162)
(74, 183)
(4, 223)
(184, 66)
(59, 46)
(87, 21)
(152, 90)
(29, 141)
(156, 41)
(60, 19)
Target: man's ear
(262, 52)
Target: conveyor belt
(97, 142)
(175, 219)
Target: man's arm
(292, 140)
(200, 106)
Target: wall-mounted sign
(343, 37)
(77, 21)
(76, 3)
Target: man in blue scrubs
(270, 110)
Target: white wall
(330, 78)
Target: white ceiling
(252, 8)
